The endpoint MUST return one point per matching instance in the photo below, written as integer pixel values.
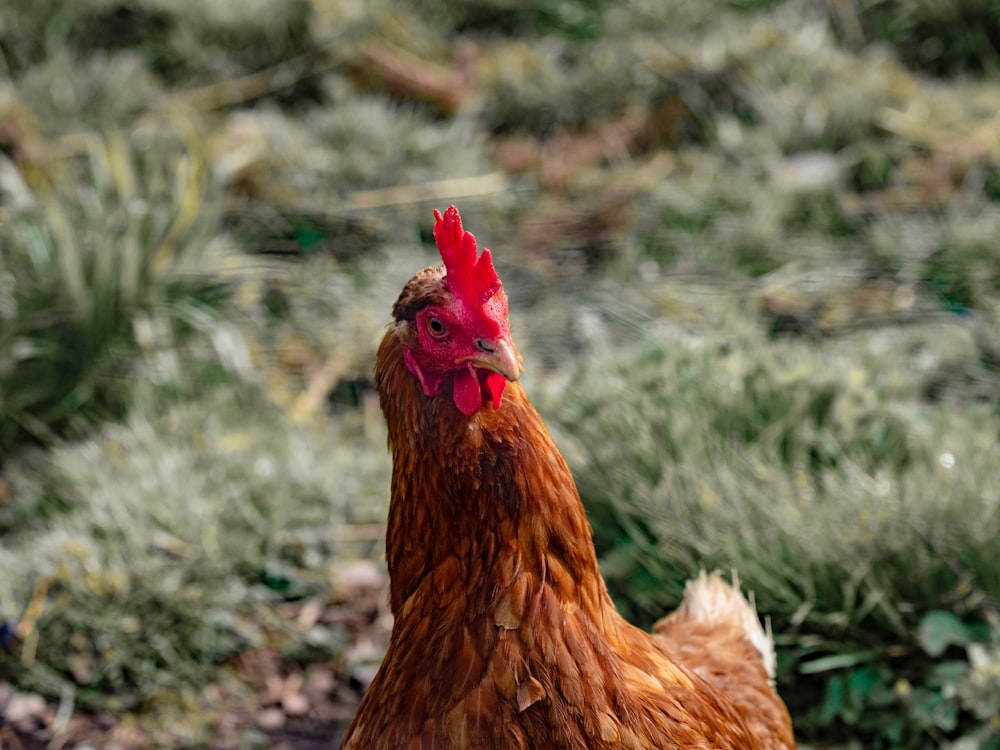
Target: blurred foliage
(177, 40)
(789, 210)
(164, 544)
(944, 38)
(93, 276)
(854, 509)
(574, 19)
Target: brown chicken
(504, 633)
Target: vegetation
(751, 250)
(859, 513)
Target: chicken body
(504, 633)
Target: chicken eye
(436, 327)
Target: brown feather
(504, 633)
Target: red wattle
(495, 383)
(466, 391)
(474, 385)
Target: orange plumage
(504, 633)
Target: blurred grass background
(752, 253)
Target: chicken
(504, 634)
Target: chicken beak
(498, 355)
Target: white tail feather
(710, 598)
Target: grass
(750, 253)
(856, 510)
(164, 543)
(93, 274)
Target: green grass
(945, 38)
(164, 544)
(98, 274)
(855, 509)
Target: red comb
(471, 276)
